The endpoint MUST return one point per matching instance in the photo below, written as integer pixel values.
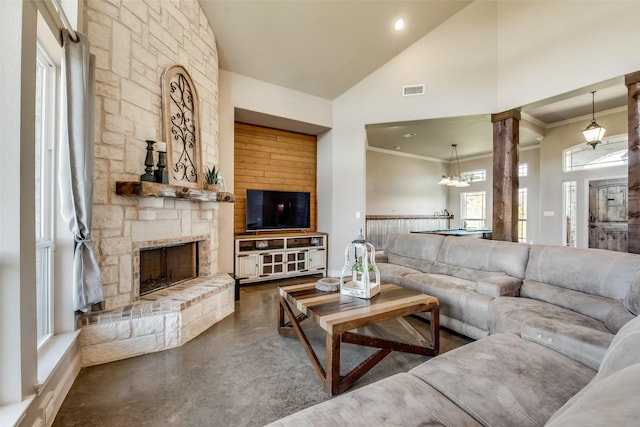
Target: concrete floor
(240, 372)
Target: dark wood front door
(608, 214)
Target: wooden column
(506, 133)
(633, 199)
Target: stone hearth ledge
(158, 321)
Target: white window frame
(32, 374)
(569, 213)
(480, 222)
(609, 156)
(478, 175)
(64, 330)
(45, 232)
(523, 169)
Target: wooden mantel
(153, 189)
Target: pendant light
(594, 132)
(454, 180)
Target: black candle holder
(148, 162)
(161, 174)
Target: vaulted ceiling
(318, 47)
(324, 47)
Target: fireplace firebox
(162, 267)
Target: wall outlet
(357, 215)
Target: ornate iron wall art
(181, 127)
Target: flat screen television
(275, 210)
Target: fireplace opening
(162, 267)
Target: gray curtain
(76, 166)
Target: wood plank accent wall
(271, 159)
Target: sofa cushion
(392, 273)
(618, 317)
(593, 306)
(459, 326)
(632, 299)
(457, 297)
(623, 351)
(505, 380)
(507, 314)
(413, 263)
(381, 256)
(399, 400)
(413, 250)
(611, 402)
(499, 285)
(586, 345)
(484, 255)
(463, 272)
(593, 271)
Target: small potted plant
(211, 178)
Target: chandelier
(454, 180)
(593, 133)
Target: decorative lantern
(360, 277)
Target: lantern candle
(361, 266)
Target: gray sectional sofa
(558, 340)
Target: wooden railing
(378, 227)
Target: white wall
(402, 185)
(546, 48)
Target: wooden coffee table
(339, 314)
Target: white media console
(270, 256)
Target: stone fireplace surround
(168, 317)
(134, 43)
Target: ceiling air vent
(412, 90)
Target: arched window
(611, 152)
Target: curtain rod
(65, 20)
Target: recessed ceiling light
(409, 135)
(399, 24)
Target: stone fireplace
(134, 43)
